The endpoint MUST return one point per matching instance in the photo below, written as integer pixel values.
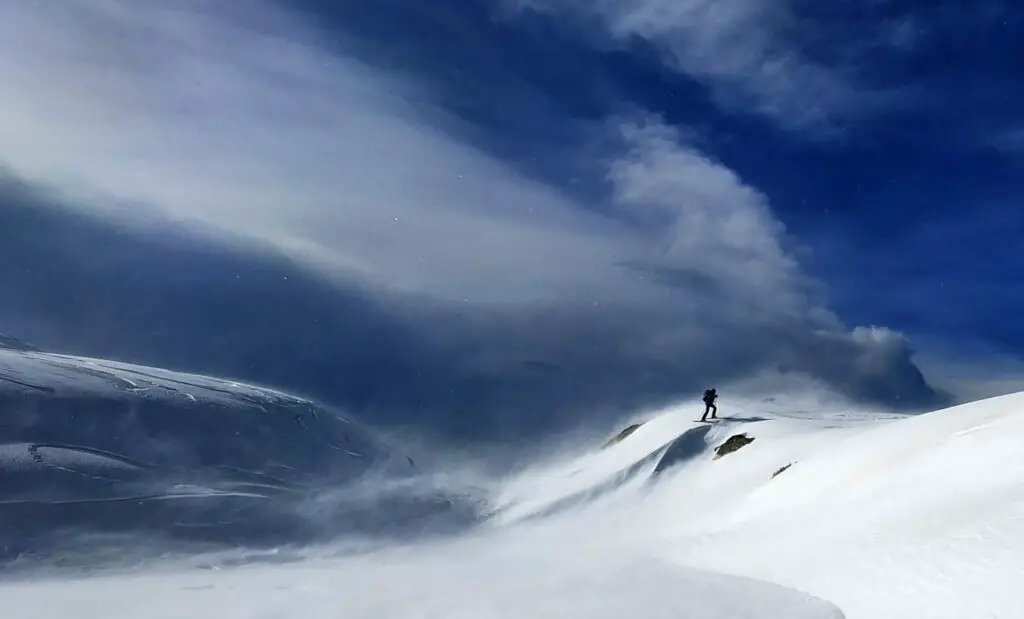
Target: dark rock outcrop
(731, 444)
(618, 438)
(780, 471)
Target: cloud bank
(231, 193)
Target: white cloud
(246, 122)
(242, 122)
(715, 224)
(740, 49)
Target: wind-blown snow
(884, 516)
(496, 583)
(94, 447)
(824, 514)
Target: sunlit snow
(834, 512)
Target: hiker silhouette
(710, 396)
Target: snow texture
(825, 514)
(94, 446)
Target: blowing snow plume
(98, 453)
(468, 229)
(864, 521)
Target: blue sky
(510, 213)
(903, 175)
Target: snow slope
(884, 516)
(465, 582)
(91, 446)
(826, 513)
(922, 517)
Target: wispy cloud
(244, 121)
(250, 123)
(711, 223)
(523, 300)
(750, 54)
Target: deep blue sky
(913, 211)
(497, 217)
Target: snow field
(876, 517)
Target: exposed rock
(731, 444)
(778, 472)
(622, 435)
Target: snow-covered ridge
(96, 445)
(813, 514)
(882, 515)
